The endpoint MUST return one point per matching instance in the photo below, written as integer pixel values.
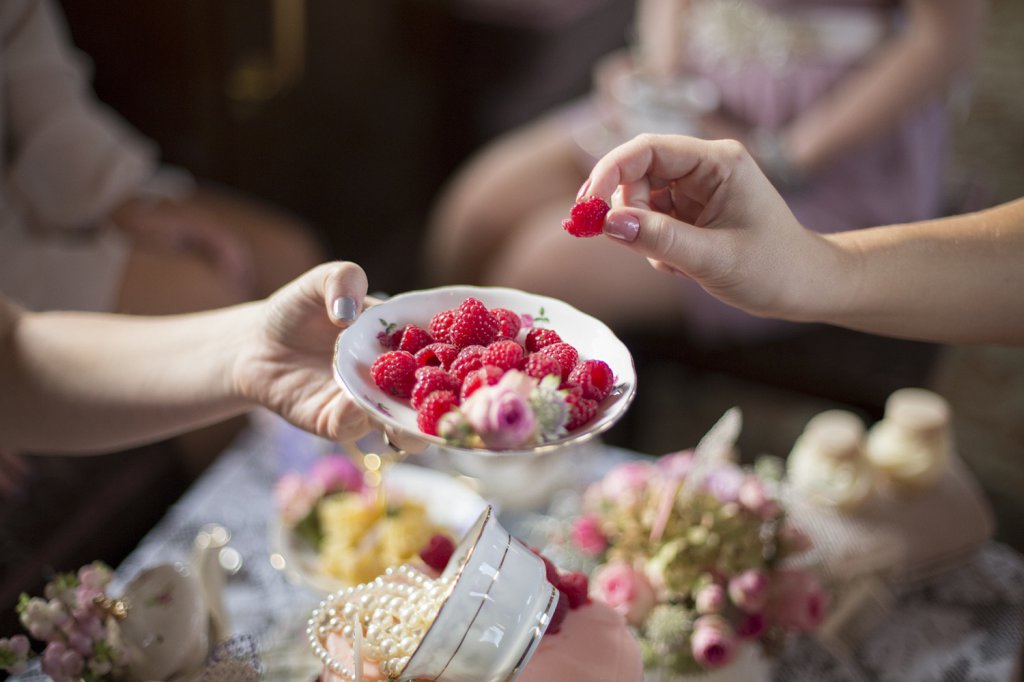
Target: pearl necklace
(385, 620)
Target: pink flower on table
(710, 599)
(294, 497)
(713, 643)
(749, 591)
(335, 473)
(501, 414)
(625, 483)
(625, 589)
(752, 626)
(754, 496)
(797, 601)
(587, 535)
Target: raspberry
(509, 322)
(561, 611)
(428, 380)
(539, 366)
(434, 406)
(505, 354)
(414, 339)
(439, 325)
(393, 372)
(566, 355)
(438, 551)
(581, 410)
(575, 586)
(586, 219)
(468, 359)
(595, 377)
(537, 338)
(437, 355)
(488, 375)
(473, 325)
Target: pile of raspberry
(471, 346)
(573, 587)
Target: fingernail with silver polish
(344, 309)
(622, 226)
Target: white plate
(450, 505)
(357, 348)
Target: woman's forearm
(108, 382)
(957, 279)
(921, 63)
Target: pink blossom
(625, 483)
(755, 496)
(587, 535)
(335, 473)
(60, 663)
(625, 590)
(724, 482)
(501, 414)
(710, 599)
(676, 464)
(294, 497)
(797, 601)
(713, 643)
(752, 626)
(749, 590)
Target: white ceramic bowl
(450, 504)
(493, 618)
(358, 347)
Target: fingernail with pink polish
(624, 226)
(583, 190)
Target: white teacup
(166, 629)
(493, 619)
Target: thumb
(344, 288)
(660, 237)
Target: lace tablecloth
(965, 624)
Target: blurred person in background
(843, 103)
(89, 218)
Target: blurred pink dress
(770, 61)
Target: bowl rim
(622, 403)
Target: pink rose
(752, 626)
(710, 599)
(749, 590)
(755, 496)
(335, 473)
(501, 414)
(625, 483)
(625, 590)
(713, 643)
(587, 535)
(677, 464)
(797, 602)
(294, 497)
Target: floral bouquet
(696, 560)
(78, 623)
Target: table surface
(965, 624)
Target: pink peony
(755, 496)
(335, 473)
(797, 601)
(294, 497)
(713, 642)
(625, 590)
(501, 414)
(710, 599)
(587, 535)
(625, 483)
(749, 591)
